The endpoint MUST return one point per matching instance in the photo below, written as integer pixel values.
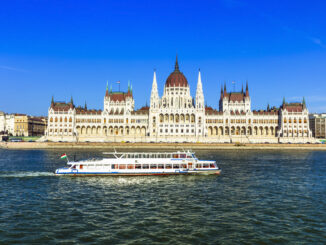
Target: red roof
(61, 106)
(119, 96)
(293, 107)
(176, 78)
(80, 110)
(235, 96)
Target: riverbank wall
(157, 146)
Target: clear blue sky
(71, 48)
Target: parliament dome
(176, 78)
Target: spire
(128, 85)
(85, 105)
(247, 90)
(221, 97)
(304, 102)
(176, 66)
(242, 89)
(154, 101)
(268, 108)
(199, 84)
(52, 101)
(224, 89)
(199, 93)
(283, 101)
(107, 89)
(110, 88)
(71, 101)
(131, 88)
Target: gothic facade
(178, 117)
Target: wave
(23, 174)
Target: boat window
(138, 166)
(182, 155)
(145, 166)
(81, 167)
(113, 166)
(161, 166)
(122, 166)
(183, 165)
(131, 166)
(73, 167)
(176, 166)
(153, 166)
(206, 165)
(198, 165)
(212, 165)
(168, 166)
(175, 156)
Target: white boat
(141, 163)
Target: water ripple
(262, 197)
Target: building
(25, 125)
(317, 125)
(7, 122)
(179, 117)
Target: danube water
(261, 197)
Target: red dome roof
(176, 78)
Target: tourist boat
(141, 163)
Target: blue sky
(71, 48)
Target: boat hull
(190, 172)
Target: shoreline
(165, 146)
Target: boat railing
(178, 154)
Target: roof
(293, 107)
(235, 96)
(176, 78)
(262, 112)
(210, 111)
(119, 96)
(144, 110)
(81, 111)
(61, 106)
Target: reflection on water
(264, 197)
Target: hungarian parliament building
(178, 117)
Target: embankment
(157, 146)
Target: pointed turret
(242, 89)
(71, 101)
(247, 90)
(110, 88)
(85, 106)
(52, 101)
(268, 108)
(176, 66)
(224, 89)
(199, 93)
(283, 101)
(107, 89)
(304, 102)
(154, 93)
(221, 92)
